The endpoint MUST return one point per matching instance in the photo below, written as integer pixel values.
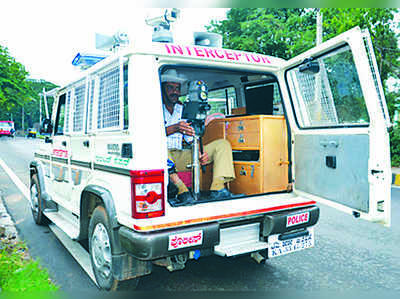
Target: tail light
(148, 200)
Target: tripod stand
(196, 149)
(195, 111)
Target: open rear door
(339, 124)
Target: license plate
(278, 247)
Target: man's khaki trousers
(219, 152)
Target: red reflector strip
(231, 215)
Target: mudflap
(127, 267)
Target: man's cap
(172, 75)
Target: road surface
(349, 253)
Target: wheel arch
(91, 197)
(36, 167)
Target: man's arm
(186, 129)
(181, 127)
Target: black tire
(106, 282)
(101, 256)
(37, 204)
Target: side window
(79, 105)
(108, 113)
(59, 125)
(222, 100)
(330, 93)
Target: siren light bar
(85, 61)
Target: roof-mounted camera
(162, 24)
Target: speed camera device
(196, 105)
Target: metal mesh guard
(109, 100)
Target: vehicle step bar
(239, 240)
(60, 220)
(76, 250)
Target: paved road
(349, 253)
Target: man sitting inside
(219, 151)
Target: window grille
(317, 98)
(79, 102)
(331, 97)
(109, 106)
(376, 77)
(67, 111)
(90, 104)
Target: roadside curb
(10, 231)
(396, 179)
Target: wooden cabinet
(260, 147)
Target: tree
(381, 25)
(281, 32)
(289, 32)
(14, 90)
(31, 108)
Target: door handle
(64, 143)
(86, 143)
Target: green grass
(19, 272)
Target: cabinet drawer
(244, 140)
(242, 126)
(248, 178)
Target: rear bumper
(277, 223)
(154, 245)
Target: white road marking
(21, 186)
(74, 248)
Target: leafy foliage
(16, 91)
(31, 108)
(13, 87)
(278, 32)
(288, 32)
(379, 22)
(395, 146)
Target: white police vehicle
(311, 129)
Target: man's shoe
(186, 198)
(223, 194)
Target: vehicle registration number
(278, 247)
